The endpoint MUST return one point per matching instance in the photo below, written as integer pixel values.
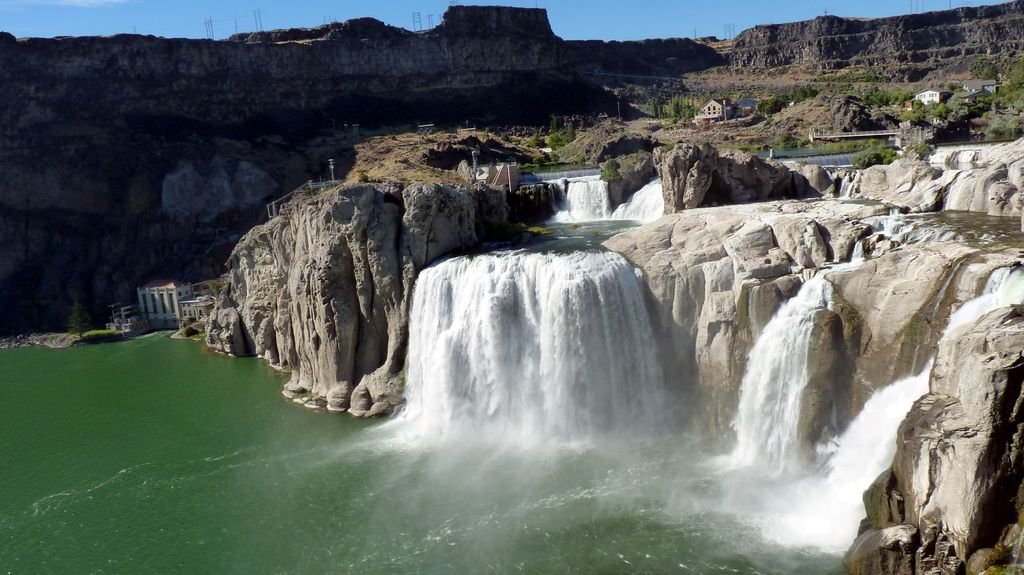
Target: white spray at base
(529, 348)
(824, 511)
(646, 205)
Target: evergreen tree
(79, 320)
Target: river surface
(156, 456)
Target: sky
(571, 19)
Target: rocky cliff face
(695, 175)
(990, 183)
(717, 275)
(950, 503)
(129, 157)
(324, 289)
(907, 45)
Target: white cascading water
(910, 230)
(531, 348)
(824, 511)
(583, 200)
(645, 206)
(776, 375)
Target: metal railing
(274, 207)
(818, 134)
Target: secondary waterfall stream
(776, 375)
(532, 347)
(586, 200)
(823, 509)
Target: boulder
(694, 176)
(686, 173)
(910, 184)
(812, 181)
(887, 551)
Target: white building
(715, 111)
(932, 96)
(160, 302)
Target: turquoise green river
(157, 456)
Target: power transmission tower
(417, 22)
(730, 31)
(257, 16)
(208, 25)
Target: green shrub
(610, 171)
(362, 177)
(769, 106)
(874, 156)
(1002, 126)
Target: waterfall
(824, 511)
(530, 348)
(583, 200)
(770, 393)
(646, 205)
(910, 230)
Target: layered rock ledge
(324, 289)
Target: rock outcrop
(324, 289)
(636, 170)
(905, 46)
(716, 277)
(696, 175)
(990, 183)
(952, 497)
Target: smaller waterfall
(646, 205)
(909, 229)
(770, 393)
(583, 200)
(824, 511)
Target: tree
(610, 171)
(769, 106)
(1002, 126)
(79, 320)
(874, 155)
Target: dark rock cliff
(130, 157)
(914, 42)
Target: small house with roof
(932, 96)
(716, 110)
(989, 86)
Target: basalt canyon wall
(132, 157)
(908, 46)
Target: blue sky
(571, 19)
